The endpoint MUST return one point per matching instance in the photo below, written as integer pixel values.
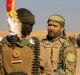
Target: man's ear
(62, 28)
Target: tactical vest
(54, 52)
(22, 59)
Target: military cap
(57, 18)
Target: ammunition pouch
(17, 73)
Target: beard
(51, 33)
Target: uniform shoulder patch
(71, 57)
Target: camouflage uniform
(61, 54)
(45, 65)
(19, 58)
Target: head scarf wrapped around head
(57, 18)
(27, 19)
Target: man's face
(54, 29)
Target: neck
(49, 38)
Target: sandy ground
(43, 34)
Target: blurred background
(42, 9)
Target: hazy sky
(69, 9)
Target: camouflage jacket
(61, 56)
(21, 58)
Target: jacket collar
(57, 38)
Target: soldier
(19, 56)
(61, 54)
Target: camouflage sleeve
(70, 59)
